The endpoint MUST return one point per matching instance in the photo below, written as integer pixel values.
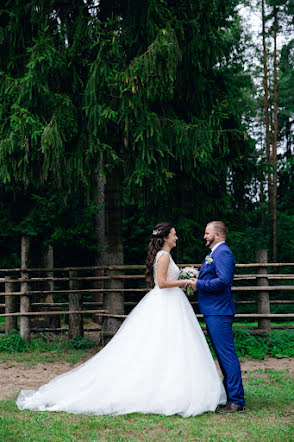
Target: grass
(46, 349)
(269, 395)
(268, 418)
(32, 358)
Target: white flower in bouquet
(187, 273)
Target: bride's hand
(184, 282)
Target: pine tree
(135, 104)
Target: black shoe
(232, 408)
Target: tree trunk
(113, 302)
(262, 205)
(275, 141)
(100, 235)
(266, 110)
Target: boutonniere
(208, 259)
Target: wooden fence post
(113, 303)
(74, 303)
(25, 329)
(10, 321)
(98, 297)
(48, 262)
(263, 302)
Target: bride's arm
(163, 283)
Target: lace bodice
(173, 270)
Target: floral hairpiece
(156, 232)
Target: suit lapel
(201, 271)
(205, 267)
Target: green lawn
(269, 417)
(269, 395)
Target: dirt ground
(17, 376)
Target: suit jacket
(215, 281)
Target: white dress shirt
(216, 246)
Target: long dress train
(158, 362)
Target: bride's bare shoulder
(163, 256)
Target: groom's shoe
(232, 408)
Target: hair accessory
(156, 232)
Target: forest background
(116, 115)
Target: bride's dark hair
(160, 231)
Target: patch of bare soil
(270, 363)
(17, 376)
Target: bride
(158, 361)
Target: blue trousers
(220, 332)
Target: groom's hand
(193, 284)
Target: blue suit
(217, 306)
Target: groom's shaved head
(219, 227)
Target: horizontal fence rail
(135, 267)
(68, 293)
(86, 291)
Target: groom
(217, 306)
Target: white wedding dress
(158, 362)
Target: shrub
(255, 347)
(12, 343)
(80, 343)
(282, 344)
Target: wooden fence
(20, 296)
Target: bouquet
(187, 273)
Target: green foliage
(49, 218)
(155, 70)
(255, 347)
(80, 343)
(282, 344)
(156, 90)
(138, 100)
(279, 344)
(13, 343)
